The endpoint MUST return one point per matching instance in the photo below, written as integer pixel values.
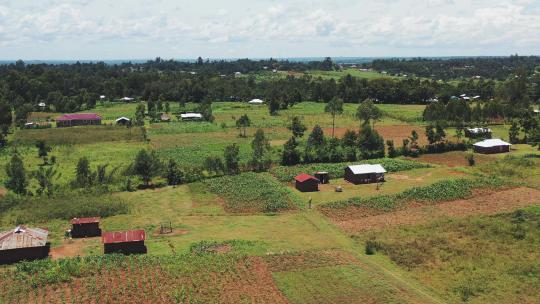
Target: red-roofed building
(306, 183)
(80, 119)
(125, 242)
(85, 227)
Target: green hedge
(336, 170)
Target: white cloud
(341, 25)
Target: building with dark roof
(80, 119)
(124, 242)
(85, 227)
(23, 244)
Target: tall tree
(43, 150)
(231, 155)
(290, 156)
(297, 127)
(146, 166)
(46, 178)
(370, 142)
(261, 148)
(242, 123)
(174, 175)
(139, 115)
(334, 107)
(367, 111)
(6, 117)
(84, 178)
(16, 176)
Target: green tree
(290, 156)
(513, 132)
(6, 117)
(273, 106)
(314, 149)
(146, 166)
(21, 114)
(242, 123)
(16, 176)
(297, 127)
(367, 111)
(214, 164)
(371, 143)
(43, 150)
(349, 143)
(83, 176)
(334, 107)
(261, 148)
(534, 137)
(205, 108)
(231, 155)
(392, 152)
(174, 175)
(139, 115)
(45, 179)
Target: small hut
(306, 183)
(23, 243)
(491, 146)
(364, 174)
(124, 242)
(85, 227)
(323, 177)
(123, 121)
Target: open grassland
(78, 135)
(406, 113)
(483, 259)
(342, 73)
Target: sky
(143, 29)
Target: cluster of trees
(451, 68)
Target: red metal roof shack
(304, 177)
(79, 116)
(84, 220)
(123, 236)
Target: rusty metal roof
(85, 220)
(23, 237)
(123, 236)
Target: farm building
(82, 119)
(123, 121)
(306, 183)
(364, 174)
(191, 116)
(323, 177)
(85, 227)
(125, 242)
(536, 111)
(491, 146)
(256, 101)
(23, 243)
(478, 132)
(127, 99)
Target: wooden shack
(85, 227)
(491, 146)
(306, 183)
(23, 244)
(364, 174)
(323, 177)
(124, 242)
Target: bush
(372, 247)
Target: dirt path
(70, 248)
(498, 202)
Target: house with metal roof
(23, 243)
(306, 183)
(256, 101)
(478, 132)
(364, 174)
(85, 227)
(191, 116)
(79, 119)
(491, 146)
(125, 242)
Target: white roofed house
(127, 99)
(364, 174)
(478, 132)
(256, 101)
(23, 243)
(191, 116)
(123, 121)
(491, 146)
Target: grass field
(250, 238)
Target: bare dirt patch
(3, 191)
(453, 159)
(173, 233)
(486, 203)
(70, 248)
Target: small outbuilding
(364, 174)
(191, 116)
(23, 244)
(256, 101)
(124, 242)
(127, 99)
(491, 146)
(85, 227)
(323, 177)
(165, 118)
(306, 183)
(123, 121)
(478, 132)
(81, 119)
